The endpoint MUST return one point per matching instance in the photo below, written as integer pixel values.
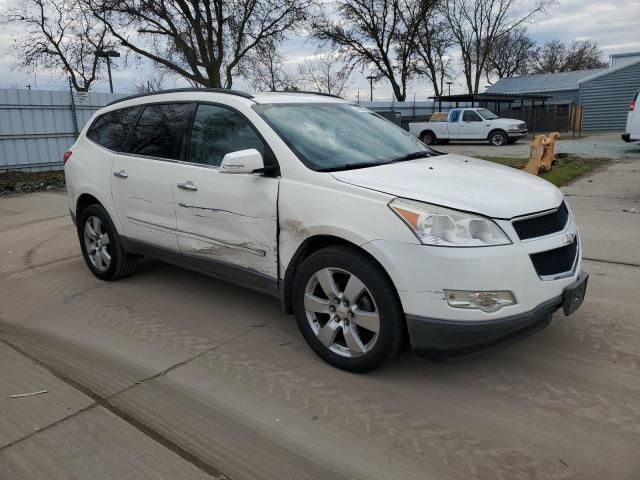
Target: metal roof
(544, 82)
(489, 97)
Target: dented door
(227, 218)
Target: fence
(38, 126)
(542, 118)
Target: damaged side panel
(232, 218)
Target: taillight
(632, 107)
(66, 156)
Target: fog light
(487, 301)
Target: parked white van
(366, 234)
(632, 133)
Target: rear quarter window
(111, 129)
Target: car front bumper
(437, 338)
(421, 274)
(517, 133)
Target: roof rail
(307, 92)
(179, 90)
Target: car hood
(462, 183)
(507, 121)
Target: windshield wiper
(350, 166)
(413, 156)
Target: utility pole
(108, 54)
(371, 78)
(449, 83)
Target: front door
(228, 219)
(143, 180)
(472, 126)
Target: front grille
(543, 224)
(554, 262)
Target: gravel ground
(14, 182)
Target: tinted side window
(218, 131)
(471, 116)
(112, 129)
(160, 129)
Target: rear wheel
(347, 309)
(101, 245)
(428, 138)
(498, 138)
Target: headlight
(515, 126)
(444, 227)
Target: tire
(344, 333)
(97, 233)
(498, 138)
(428, 138)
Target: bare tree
(204, 41)
(266, 70)
(431, 57)
(512, 54)
(476, 25)
(325, 72)
(59, 35)
(154, 83)
(378, 34)
(555, 56)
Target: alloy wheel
(341, 312)
(97, 243)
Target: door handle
(121, 174)
(187, 186)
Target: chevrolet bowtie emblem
(568, 238)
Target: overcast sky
(615, 25)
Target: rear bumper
(626, 137)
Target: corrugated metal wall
(37, 126)
(606, 99)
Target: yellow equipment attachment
(542, 153)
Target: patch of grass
(568, 169)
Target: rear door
(143, 178)
(228, 219)
(453, 123)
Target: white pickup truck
(470, 124)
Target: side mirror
(242, 161)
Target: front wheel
(498, 139)
(347, 309)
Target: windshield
(340, 136)
(486, 114)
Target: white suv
(365, 234)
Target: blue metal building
(604, 94)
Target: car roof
(203, 93)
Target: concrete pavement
(203, 377)
(602, 145)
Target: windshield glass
(339, 136)
(486, 114)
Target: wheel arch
(494, 130)
(307, 248)
(89, 197)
